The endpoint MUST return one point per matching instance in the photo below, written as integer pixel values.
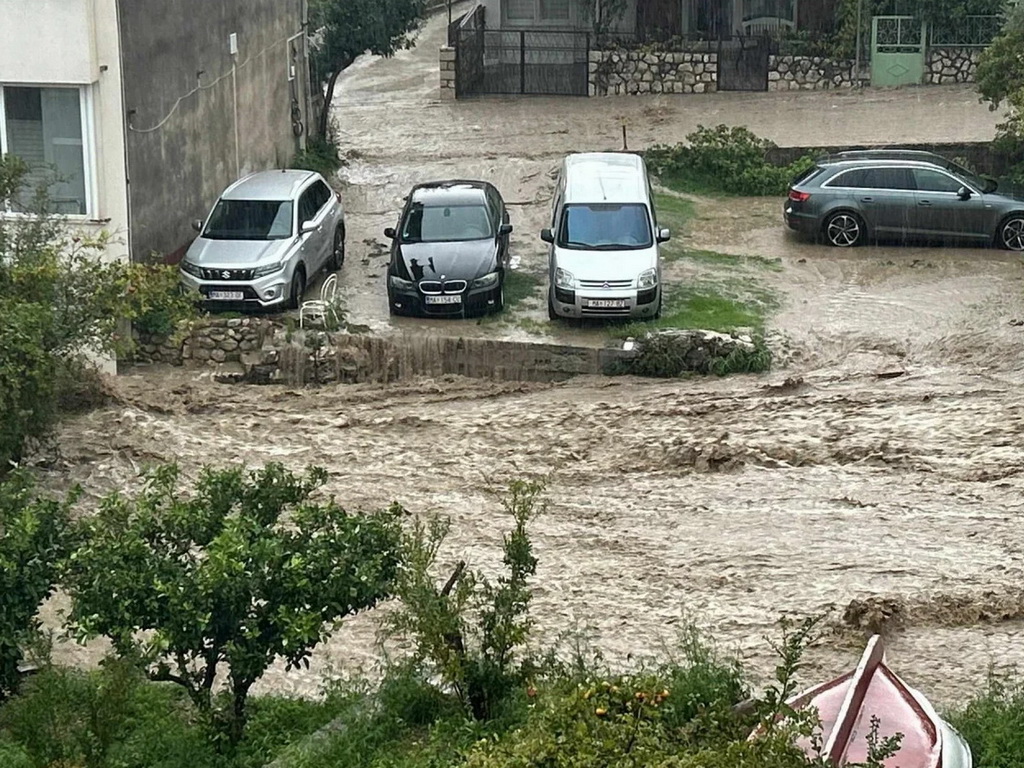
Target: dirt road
(882, 463)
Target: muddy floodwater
(876, 473)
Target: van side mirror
(547, 235)
(505, 229)
(197, 225)
(963, 193)
(664, 235)
(390, 233)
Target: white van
(604, 239)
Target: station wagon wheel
(337, 250)
(1011, 233)
(844, 229)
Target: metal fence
(972, 32)
(535, 62)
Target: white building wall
(54, 43)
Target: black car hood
(453, 261)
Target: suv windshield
(605, 227)
(445, 223)
(250, 220)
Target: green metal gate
(897, 50)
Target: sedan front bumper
(472, 301)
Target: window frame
(536, 20)
(88, 128)
(961, 184)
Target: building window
(43, 127)
(537, 11)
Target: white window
(537, 11)
(44, 126)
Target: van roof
(614, 177)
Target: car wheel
(552, 315)
(298, 289)
(657, 312)
(844, 229)
(1011, 233)
(499, 304)
(337, 251)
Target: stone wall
(212, 341)
(809, 73)
(951, 65)
(637, 72)
(447, 63)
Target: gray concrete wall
(181, 141)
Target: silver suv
(851, 197)
(268, 234)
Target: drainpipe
(856, 65)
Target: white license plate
(227, 295)
(453, 299)
(606, 303)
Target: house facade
(146, 111)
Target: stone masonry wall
(447, 63)
(951, 65)
(637, 72)
(809, 73)
(216, 340)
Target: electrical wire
(201, 87)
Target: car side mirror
(664, 235)
(390, 233)
(547, 235)
(505, 229)
(308, 226)
(197, 225)
(963, 193)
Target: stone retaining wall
(213, 341)
(951, 65)
(809, 73)
(446, 59)
(636, 72)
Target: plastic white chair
(320, 309)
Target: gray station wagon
(853, 196)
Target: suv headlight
(647, 279)
(403, 285)
(564, 279)
(190, 268)
(268, 269)
(487, 281)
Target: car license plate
(226, 295)
(606, 303)
(451, 299)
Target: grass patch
(714, 258)
(674, 211)
(519, 285)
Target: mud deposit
(877, 472)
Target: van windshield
(605, 227)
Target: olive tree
(242, 572)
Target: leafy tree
(245, 571)
(1000, 80)
(32, 542)
(479, 660)
(58, 299)
(346, 29)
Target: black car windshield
(605, 227)
(446, 223)
(250, 220)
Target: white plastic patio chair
(320, 309)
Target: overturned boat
(847, 705)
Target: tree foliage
(33, 538)
(1000, 80)
(245, 571)
(346, 29)
(59, 298)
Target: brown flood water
(732, 501)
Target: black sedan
(450, 252)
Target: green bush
(723, 159)
(993, 724)
(320, 155)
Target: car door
(499, 217)
(316, 242)
(942, 212)
(887, 199)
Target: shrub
(993, 724)
(320, 155)
(670, 355)
(723, 159)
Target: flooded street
(881, 461)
